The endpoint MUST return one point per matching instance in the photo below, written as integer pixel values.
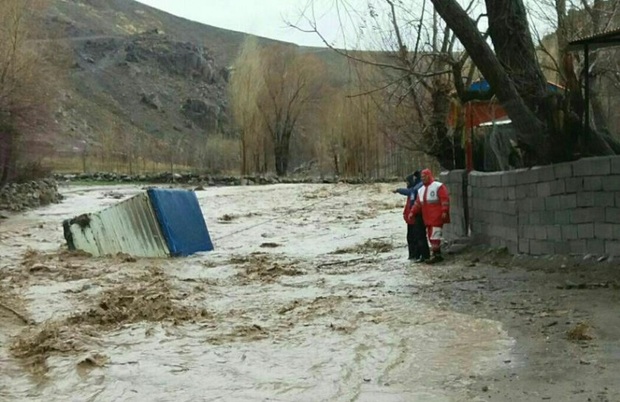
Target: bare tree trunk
(511, 36)
(532, 132)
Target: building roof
(597, 41)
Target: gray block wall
(568, 208)
(456, 182)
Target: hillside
(141, 81)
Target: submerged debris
(35, 345)
(150, 300)
(581, 332)
(368, 247)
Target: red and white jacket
(433, 201)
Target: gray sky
(267, 18)
(259, 17)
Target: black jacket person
(416, 231)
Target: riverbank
(561, 311)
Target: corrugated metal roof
(128, 227)
(599, 40)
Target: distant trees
(271, 89)
(25, 83)
(245, 89)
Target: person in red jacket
(433, 202)
(416, 231)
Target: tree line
(381, 113)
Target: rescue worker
(416, 231)
(433, 203)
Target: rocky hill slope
(139, 77)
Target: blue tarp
(483, 86)
(181, 221)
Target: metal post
(587, 90)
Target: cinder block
(603, 231)
(510, 234)
(578, 247)
(585, 230)
(585, 199)
(544, 173)
(526, 176)
(558, 187)
(615, 229)
(568, 201)
(563, 170)
(612, 247)
(552, 203)
(522, 192)
(615, 165)
(496, 193)
(495, 242)
(561, 217)
(587, 215)
(597, 166)
(593, 184)
(569, 232)
(595, 246)
(538, 204)
(541, 247)
(611, 183)
(534, 218)
(509, 207)
(604, 199)
(528, 231)
(524, 246)
(547, 218)
(543, 189)
(574, 184)
(513, 247)
(509, 179)
(511, 193)
(612, 215)
(540, 232)
(554, 232)
(473, 178)
(494, 179)
(562, 247)
(510, 221)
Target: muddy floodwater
(308, 296)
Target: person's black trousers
(416, 240)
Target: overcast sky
(268, 18)
(259, 17)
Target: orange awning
(476, 113)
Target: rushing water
(296, 322)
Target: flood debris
(226, 218)
(149, 298)
(581, 332)
(261, 267)
(91, 361)
(34, 345)
(370, 246)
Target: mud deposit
(308, 297)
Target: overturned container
(158, 223)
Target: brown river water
(308, 296)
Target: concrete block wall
(456, 182)
(493, 210)
(568, 208)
